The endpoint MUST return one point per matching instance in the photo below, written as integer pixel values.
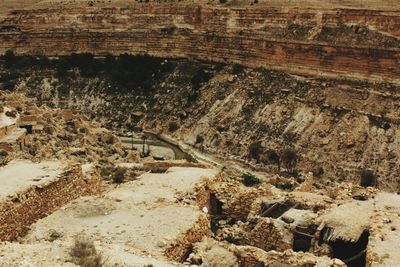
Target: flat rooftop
(19, 175)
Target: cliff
(357, 43)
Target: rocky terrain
(168, 213)
(238, 133)
(334, 128)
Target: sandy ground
(19, 175)
(131, 224)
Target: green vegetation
(289, 158)
(173, 126)
(122, 72)
(273, 157)
(237, 69)
(255, 150)
(287, 186)
(84, 254)
(231, 239)
(249, 180)
(201, 76)
(119, 175)
(368, 178)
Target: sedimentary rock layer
(351, 42)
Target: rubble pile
(59, 134)
(343, 222)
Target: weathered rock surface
(309, 41)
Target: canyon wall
(355, 43)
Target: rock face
(333, 42)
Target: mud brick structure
(39, 191)
(181, 248)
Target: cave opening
(29, 128)
(302, 237)
(215, 205)
(352, 253)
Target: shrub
(368, 178)
(255, 150)
(284, 186)
(237, 68)
(199, 139)
(9, 85)
(249, 179)
(3, 153)
(173, 126)
(289, 158)
(318, 172)
(44, 62)
(84, 254)
(200, 77)
(62, 68)
(231, 239)
(119, 175)
(273, 157)
(9, 58)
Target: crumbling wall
(19, 212)
(250, 256)
(181, 248)
(238, 201)
(268, 234)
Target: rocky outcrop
(337, 42)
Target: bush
(9, 85)
(84, 254)
(119, 175)
(9, 58)
(231, 239)
(289, 158)
(249, 179)
(3, 153)
(273, 157)
(237, 68)
(318, 172)
(368, 178)
(200, 77)
(62, 68)
(255, 150)
(287, 186)
(173, 126)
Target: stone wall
(278, 38)
(180, 249)
(25, 208)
